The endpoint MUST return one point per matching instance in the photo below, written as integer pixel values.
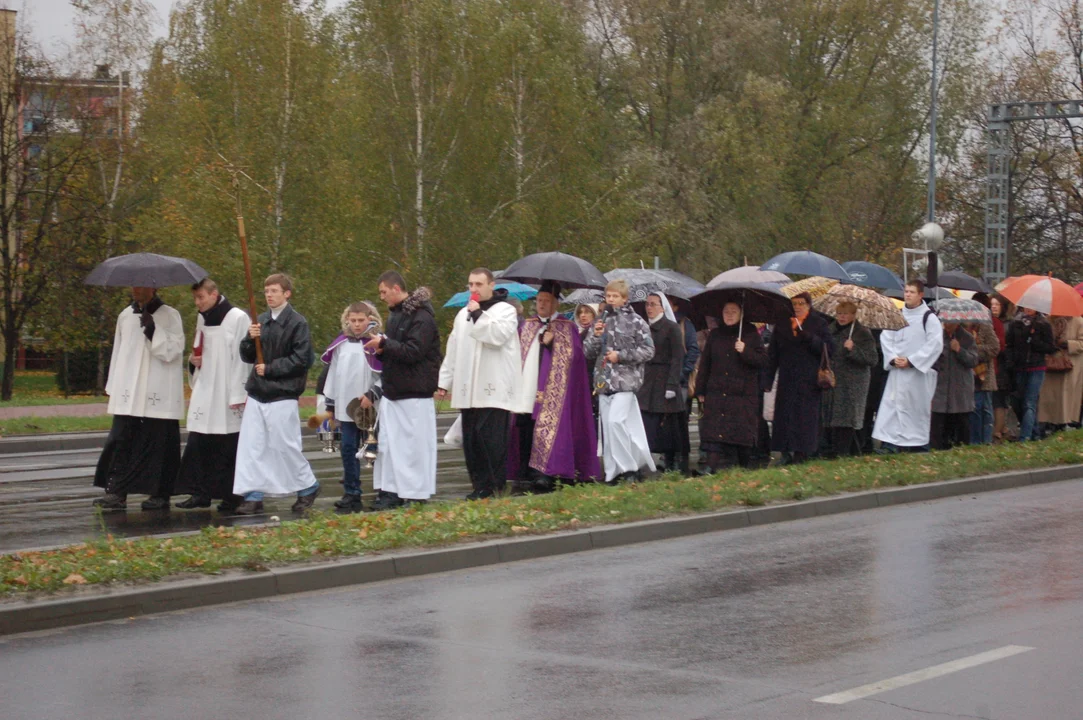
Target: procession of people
(602, 393)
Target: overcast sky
(51, 20)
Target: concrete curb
(109, 604)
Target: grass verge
(326, 536)
(38, 387)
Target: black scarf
(215, 316)
(154, 304)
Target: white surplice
(270, 459)
(482, 366)
(623, 437)
(906, 408)
(350, 376)
(219, 382)
(406, 455)
(146, 378)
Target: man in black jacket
(405, 468)
(269, 457)
(1028, 340)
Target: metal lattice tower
(998, 182)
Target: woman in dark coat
(728, 387)
(854, 357)
(660, 400)
(795, 353)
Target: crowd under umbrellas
(800, 357)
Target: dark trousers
(949, 429)
(140, 456)
(844, 441)
(485, 445)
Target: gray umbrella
(749, 274)
(641, 283)
(806, 262)
(145, 270)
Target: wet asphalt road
(753, 623)
(46, 494)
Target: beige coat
(1062, 392)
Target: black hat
(551, 287)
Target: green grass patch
(38, 387)
(327, 536)
(33, 425)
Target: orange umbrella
(1044, 294)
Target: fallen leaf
(75, 579)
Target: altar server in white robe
(146, 400)
(216, 374)
(352, 371)
(270, 460)
(619, 346)
(482, 372)
(905, 414)
(409, 352)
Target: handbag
(1058, 362)
(825, 377)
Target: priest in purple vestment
(558, 440)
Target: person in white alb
(217, 375)
(910, 357)
(270, 460)
(409, 352)
(482, 371)
(352, 371)
(146, 400)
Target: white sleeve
(168, 341)
(447, 368)
(113, 366)
(495, 326)
(930, 350)
(239, 370)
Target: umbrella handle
(852, 329)
(741, 320)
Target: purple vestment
(565, 439)
(373, 359)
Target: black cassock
(140, 456)
(797, 358)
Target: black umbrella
(568, 270)
(872, 275)
(145, 270)
(760, 302)
(961, 281)
(806, 262)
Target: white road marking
(921, 675)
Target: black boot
(196, 501)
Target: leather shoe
(350, 502)
(229, 505)
(112, 501)
(305, 502)
(249, 507)
(155, 503)
(389, 501)
(196, 501)
(480, 495)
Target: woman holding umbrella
(797, 353)
(855, 355)
(728, 383)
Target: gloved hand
(670, 394)
(146, 320)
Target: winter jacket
(1028, 340)
(483, 367)
(844, 406)
(663, 371)
(287, 353)
(630, 336)
(955, 380)
(988, 349)
(797, 357)
(729, 382)
(410, 349)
